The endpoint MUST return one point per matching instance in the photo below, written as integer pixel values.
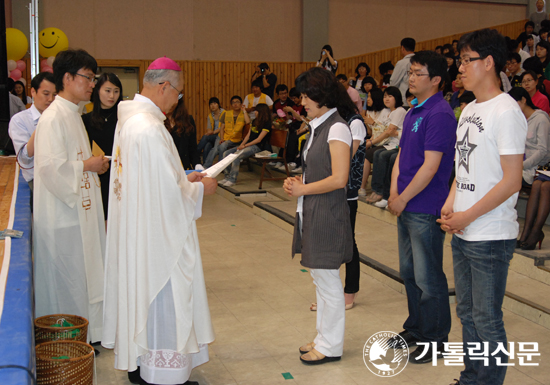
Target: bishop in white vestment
(156, 312)
(68, 226)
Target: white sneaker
(282, 167)
(381, 203)
(229, 184)
(297, 170)
(275, 165)
(222, 182)
(362, 192)
(291, 166)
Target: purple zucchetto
(164, 63)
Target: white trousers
(331, 312)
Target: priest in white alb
(156, 314)
(68, 228)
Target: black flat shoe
(411, 340)
(426, 358)
(134, 377)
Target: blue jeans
(219, 150)
(481, 270)
(421, 267)
(246, 153)
(206, 143)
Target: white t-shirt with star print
(485, 132)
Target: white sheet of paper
(213, 171)
(547, 173)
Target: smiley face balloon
(51, 41)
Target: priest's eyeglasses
(90, 78)
(180, 93)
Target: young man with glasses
(420, 183)
(514, 69)
(480, 210)
(69, 228)
(155, 297)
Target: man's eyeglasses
(90, 78)
(467, 60)
(416, 74)
(180, 93)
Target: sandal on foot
(313, 306)
(307, 348)
(313, 357)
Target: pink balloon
(21, 65)
(15, 74)
(47, 69)
(43, 63)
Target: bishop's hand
(210, 185)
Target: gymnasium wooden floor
(7, 173)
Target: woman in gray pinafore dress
(322, 230)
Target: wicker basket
(78, 369)
(44, 332)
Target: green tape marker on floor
(287, 376)
(233, 225)
(303, 270)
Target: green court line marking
(303, 270)
(287, 376)
(233, 225)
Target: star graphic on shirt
(465, 149)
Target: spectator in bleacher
(400, 75)
(452, 69)
(368, 84)
(182, 127)
(386, 70)
(326, 60)
(268, 78)
(543, 34)
(543, 54)
(480, 210)
(296, 114)
(530, 81)
(352, 92)
(361, 72)
(322, 230)
(19, 91)
(455, 103)
(255, 98)
(231, 130)
(211, 138)
(514, 69)
(528, 30)
(539, 15)
(382, 158)
(255, 141)
(530, 46)
(282, 99)
(447, 48)
(466, 98)
(376, 118)
(537, 144)
(22, 125)
(516, 46)
(455, 49)
(420, 182)
(439, 49)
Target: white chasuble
(68, 226)
(156, 310)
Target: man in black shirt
(268, 79)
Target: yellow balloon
(16, 44)
(51, 41)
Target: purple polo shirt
(430, 126)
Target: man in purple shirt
(420, 184)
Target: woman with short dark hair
(322, 230)
(184, 132)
